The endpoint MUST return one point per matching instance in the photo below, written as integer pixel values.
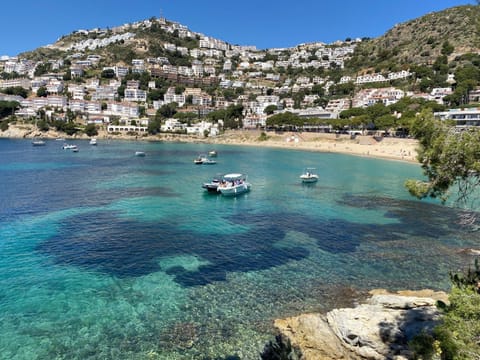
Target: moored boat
(212, 185)
(212, 153)
(234, 184)
(203, 160)
(38, 142)
(69, 147)
(208, 162)
(93, 141)
(309, 176)
(140, 153)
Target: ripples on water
(105, 255)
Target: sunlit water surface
(105, 255)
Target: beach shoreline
(389, 148)
(400, 149)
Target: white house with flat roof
(173, 125)
(462, 118)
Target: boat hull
(234, 190)
(211, 188)
(309, 180)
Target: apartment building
(132, 94)
(20, 82)
(462, 118)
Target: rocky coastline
(379, 328)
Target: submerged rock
(378, 329)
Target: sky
(29, 24)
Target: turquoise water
(104, 255)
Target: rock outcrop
(378, 329)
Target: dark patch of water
(105, 242)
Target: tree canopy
(286, 118)
(16, 90)
(448, 158)
(7, 108)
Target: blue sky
(26, 25)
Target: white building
(127, 129)
(202, 127)
(135, 95)
(122, 109)
(437, 94)
(173, 125)
(463, 118)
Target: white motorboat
(69, 147)
(203, 160)
(234, 184)
(140, 153)
(212, 185)
(309, 176)
(93, 141)
(38, 142)
(212, 153)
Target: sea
(107, 255)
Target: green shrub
(91, 130)
(3, 125)
(263, 136)
(424, 346)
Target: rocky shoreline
(378, 329)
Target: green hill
(453, 32)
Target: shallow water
(105, 255)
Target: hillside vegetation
(422, 40)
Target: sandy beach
(400, 149)
(386, 148)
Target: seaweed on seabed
(280, 349)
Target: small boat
(212, 153)
(212, 185)
(75, 149)
(38, 143)
(69, 147)
(93, 141)
(199, 159)
(309, 176)
(140, 153)
(203, 160)
(60, 139)
(234, 184)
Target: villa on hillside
(463, 118)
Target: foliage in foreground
(448, 158)
(458, 336)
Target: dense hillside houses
(204, 74)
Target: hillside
(454, 31)
(123, 43)
(157, 64)
(419, 41)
